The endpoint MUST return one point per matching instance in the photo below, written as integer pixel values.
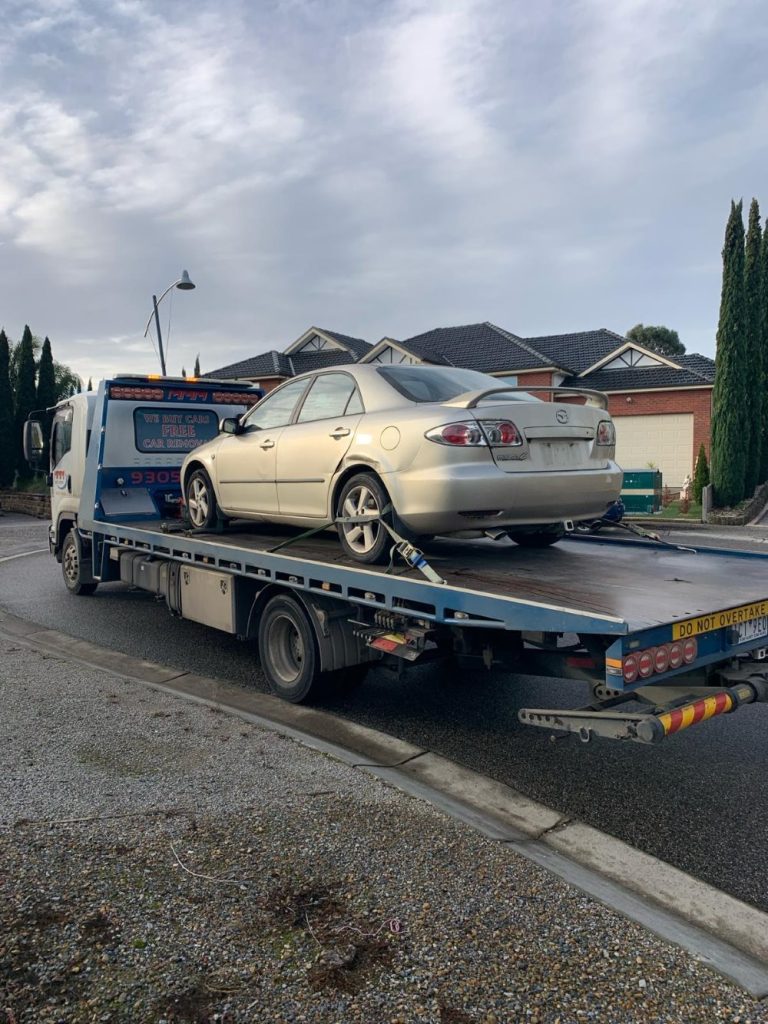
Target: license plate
(754, 629)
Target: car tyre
(71, 568)
(200, 497)
(537, 538)
(364, 494)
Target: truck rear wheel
(288, 649)
(71, 568)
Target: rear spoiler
(470, 399)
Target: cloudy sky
(371, 166)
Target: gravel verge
(160, 862)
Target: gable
(631, 357)
(390, 354)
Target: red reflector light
(630, 668)
(646, 663)
(675, 655)
(661, 659)
(690, 650)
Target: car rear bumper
(466, 497)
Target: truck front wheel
(288, 649)
(71, 567)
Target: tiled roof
(266, 364)
(577, 352)
(303, 362)
(356, 345)
(277, 364)
(699, 372)
(476, 347)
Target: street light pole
(183, 284)
(159, 337)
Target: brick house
(314, 350)
(662, 406)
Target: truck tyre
(201, 501)
(537, 538)
(364, 494)
(70, 568)
(288, 649)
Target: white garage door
(665, 440)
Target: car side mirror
(231, 425)
(34, 443)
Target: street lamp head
(184, 284)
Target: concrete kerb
(727, 934)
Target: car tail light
(501, 433)
(658, 660)
(606, 432)
(474, 433)
(462, 435)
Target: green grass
(672, 511)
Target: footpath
(165, 863)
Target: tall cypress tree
(47, 394)
(196, 372)
(90, 384)
(26, 397)
(729, 437)
(763, 474)
(7, 440)
(753, 395)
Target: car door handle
(340, 432)
(267, 443)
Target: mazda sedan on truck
(435, 450)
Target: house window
(391, 355)
(509, 378)
(631, 357)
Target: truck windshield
(173, 430)
(442, 383)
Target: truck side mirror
(231, 425)
(34, 443)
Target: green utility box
(641, 490)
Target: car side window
(332, 394)
(277, 409)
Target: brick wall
(529, 380)
(38, 505)
(648, 403)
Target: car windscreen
(167, 429)
(441, 384)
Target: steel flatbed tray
(606, 588)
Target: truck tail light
(658, 660)
(606, 432)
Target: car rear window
(440, 384)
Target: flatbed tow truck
(666, 637)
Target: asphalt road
(699, 801)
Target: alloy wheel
(198, 501)
(361, 501)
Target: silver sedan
(429, 449)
